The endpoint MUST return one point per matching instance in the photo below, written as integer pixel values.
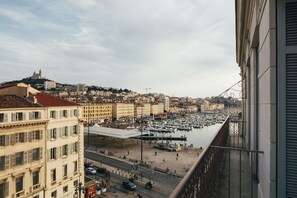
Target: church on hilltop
(37, 75)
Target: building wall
(97, 112)
(32, 137)
(142, 110)
(58, 123)
(256, 52)
(122, 110)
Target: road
(164, 183)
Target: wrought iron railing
(201, 179)
(205, 179)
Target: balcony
(223, 168)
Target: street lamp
(88, 123)
(141, 151)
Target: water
(197, 137)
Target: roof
(48, 100)
(111, 132)
(13, 101)
(9, 85)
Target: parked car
(90, 171)
(129, 185)
(87, 164)
(102, 170)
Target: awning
(111, 132)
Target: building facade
(142, 110)
(122, 110)
(49, 137)
(22, 162)
(266, 49)
(96, 112)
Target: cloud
(180, 47)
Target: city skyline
(180, 48)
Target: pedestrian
(156, 153)
(164, 160)
(128, 152)
(176, 154)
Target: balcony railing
(205, 179)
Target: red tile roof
(13, 101)
(48, 100)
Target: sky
(176, 47)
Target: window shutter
(24, 116)
(39, 115)
(48, 134)
(7, 140)
(6, 190)
(7, 162)
(61, 113)
(30, 156)
(12, 161)
(26, 137)
(291, 22)
(30, 136)
(40, 153)
(25, 155)
(13, 117)
(60, 132)
(5, 118)
(70, 146)
(30, 115)
(58, 152)
(12, 139)
(41, 134)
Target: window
(75, 129)
(37, 196)
(34, 115)
(2, 140)
(3, 117)
(20, 137)
(19, 158)
(53, 114)
(2, 163)
(35, 178)
(53, 153)
(65, 170)
(36, 154)
(4, 189)
(19, 184)
(36, 135)
(53, 175)
(65, 131)
(65, 189)
(75, 166)
(64, 113)
(19, 116)
(76, 113)
(54, 194)
(75, 183)
(53, 133)
(65, 149)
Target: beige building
(157, 109)
(122, 110)
(266, 49)
(207, 106)
(142, 110)
(96, 112)
(22, 149)
(60, 146)
(49, 85)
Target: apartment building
(157, 109)
(142, 110)
(266, 49)
(22, 148)
(122, 110)
(60, 146)
(96, 112)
